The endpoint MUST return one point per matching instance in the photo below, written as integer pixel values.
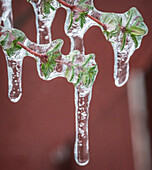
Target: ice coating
(76, 33)
(14, 68)
(6, 16)
(44, 20)
(82, 102)
(125, 32)
(130, 23)
(15, 79)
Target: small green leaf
(67, 73)
(72, 76)
(82, 18)
(71, 20)
(87, 60)
(47, 6)
(45, 70)
(120, 22)
(137, 31)
(135, 40)
(4, 41)
(82, 2)
(55, 49)
(77, 19)
(131, 14)
(13, 49)
(79, 78)
(124, 42)
(18, 35)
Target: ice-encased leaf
(81, 72)
(125, 32)
(9, 39)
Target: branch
(72, 7)
(43, 57)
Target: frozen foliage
(124, 31)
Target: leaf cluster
(86, 75)
(49, 66)
(133, 27)
(14, 47)
(82, 18)
(47, 6)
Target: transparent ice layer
(44, 19)
(76, 32)
(82, 102)
(6, 16)
(124, 31)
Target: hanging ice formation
(124, 31)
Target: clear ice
(14, 67)
(124, 42)
(124, 31)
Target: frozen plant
(124, 31)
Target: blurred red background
(37, 133)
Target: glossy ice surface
(124, 31)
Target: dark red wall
(39, 130)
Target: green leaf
(79, 78)
(135, 40)
(87, 60)
(18, 35)
(88, 76)
(131, 14)
(120, 22)
(46, 70)
(14, 48)
(77, 19)
(67, 73)
(82, 18)
(124, 42)
(82, 2)
(137, 31)
(71, 20)
(47, 6)
(55, 49)
(72, 75)
(4, 41)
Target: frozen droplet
(14, 75)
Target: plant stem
(72, 7)
(32, 52)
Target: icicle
(6, 14)
(44, 19)
(82, 102)
(76, 33)
(14, 67)
(14, 78)
(125, 32)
